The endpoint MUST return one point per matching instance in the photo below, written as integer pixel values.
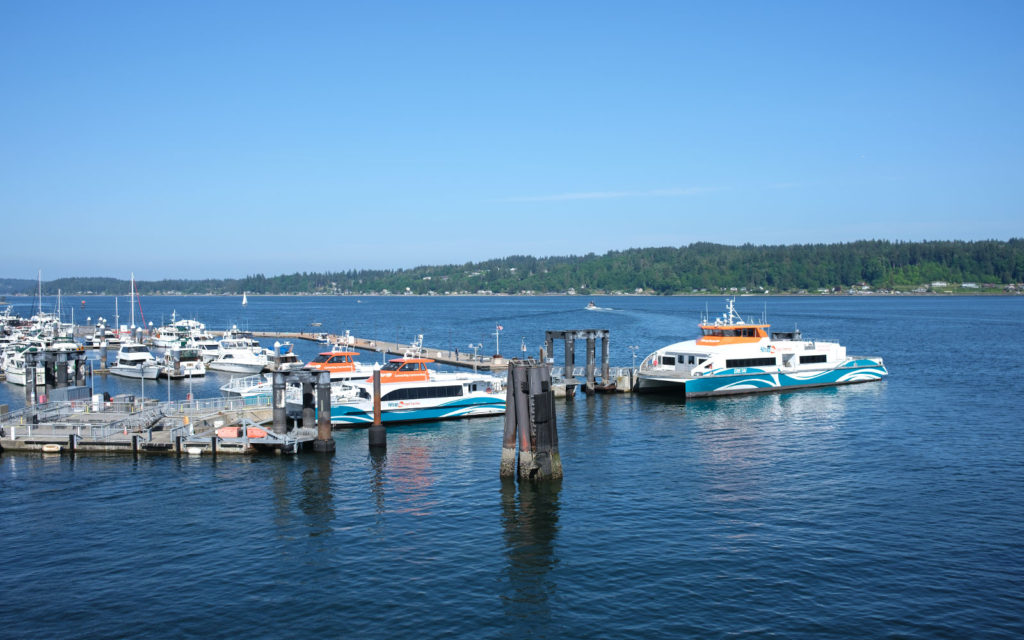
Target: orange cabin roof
(404, 370)
(333, 361)
(720, 334)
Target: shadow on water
(530, 526)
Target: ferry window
(391, 366)
(750, 362)
(668, 361)
(701, 360)
(811, 359)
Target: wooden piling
(591, 364)
(605, 356)
(508, 445)
(377, 434)
(324, 442)
(308, 405)
(280, 412)
(530, 422)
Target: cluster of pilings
(530, 423)
(590, 335)
(59, 368)
(316, 407)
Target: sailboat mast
(132, 303)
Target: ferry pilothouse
(734, 356)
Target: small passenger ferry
(733, 356)
(410, 392)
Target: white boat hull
(235, 367)
(147, 372)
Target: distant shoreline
(842, 294)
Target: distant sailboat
(245, 301)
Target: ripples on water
(888, 509)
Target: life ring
(773, 348)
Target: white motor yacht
(135, 361)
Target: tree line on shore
(698, 267)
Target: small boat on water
(282, 358)
(239, 352)
(410, 392)
(183, 362)
(206, 344)
(591, 306)
(135, 361)
(234, 357)
(734, 356)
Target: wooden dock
(215, 426)
(441, 356)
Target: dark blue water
(885, 509)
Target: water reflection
(530, 525)
(317, 499)
(378, 466)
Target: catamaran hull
(732, 382)
(351, 416)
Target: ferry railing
(579, 372)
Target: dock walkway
(218, 425)
(441, 356)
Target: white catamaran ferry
(733, 356)
(410, 392)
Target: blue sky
(218, 139)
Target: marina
(411, 390)
(861, 493)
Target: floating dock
(215, 426)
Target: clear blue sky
(218, 139)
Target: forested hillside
(665, 270)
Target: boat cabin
(405, 370)
(718, 334)
(334, 361)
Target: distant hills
(699, 267)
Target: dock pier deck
(441, 356)
(219, 426)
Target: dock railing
(124, 416)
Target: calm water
(887, 509)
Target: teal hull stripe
(351, 414)
(753, 380)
